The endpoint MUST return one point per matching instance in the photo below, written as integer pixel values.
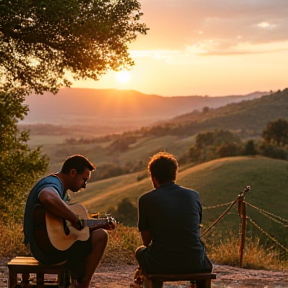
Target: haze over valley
(114, 111)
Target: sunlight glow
(123, 76)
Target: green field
(57, 150)
(218, 182)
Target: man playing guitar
(49, 193)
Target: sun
(123, 76)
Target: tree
(40, 41)
(20, 166)
(205, 139)
(194, 153)
(277, 132)
(250, 148)
(228, 149)
(42, 45)
(126, 213)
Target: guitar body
(54, 234)
(56, 229)
(49, 230)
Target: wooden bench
(203, 280)
(27, 265)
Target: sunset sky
(208, 47)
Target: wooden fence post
(242, 213)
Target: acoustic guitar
(53, 233)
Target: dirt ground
(120, 276)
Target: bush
(272, 151)
(11, 240)
(122, 244)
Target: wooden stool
(203, 280)
(27, 265)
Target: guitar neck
(94, 223)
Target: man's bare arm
(56, 206)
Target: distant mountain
(78, 106)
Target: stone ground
(120, 276)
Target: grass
(123, 242)
(225, 251)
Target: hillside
(219, 181)
(116, 110)
(247, 117)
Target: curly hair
(163, 166)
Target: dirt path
(120, 276)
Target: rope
(219, 218)
(269, 215)
(269, 236)
(216, 206)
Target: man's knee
(99, 236)
(139, 251)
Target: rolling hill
(218, 182)
(176, 135)
(248, 117)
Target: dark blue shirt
(173, 215)
(48, 181)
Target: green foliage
(12, 240)
(125, 213)
(40, 41)
(276, 132)
(273, 151)
(228, 150)
(204, 139)
(20, 166)
(194, 153)
(214, 144)
(250, 148)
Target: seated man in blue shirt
(50, 193)
(169, 221)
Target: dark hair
(77, 162)
(163, 166)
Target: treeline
(224, 143)
(209, 145)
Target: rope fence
(242, 213)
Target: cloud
(175, 24)
(190, 55)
